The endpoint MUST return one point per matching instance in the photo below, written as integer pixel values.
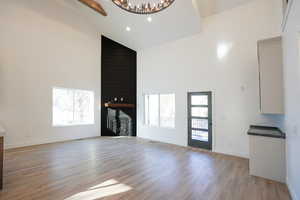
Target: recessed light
(149, 19)
(128, 28)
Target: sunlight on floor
(105, 183)
(107, 188)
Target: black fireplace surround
(118, 85)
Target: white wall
(192, 64)
(44, 44)
(291, 41)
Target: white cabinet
(271, 76)
(267, 153)
(267, 158)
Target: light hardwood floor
(130, 169)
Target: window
(72, 107)
(160, 110)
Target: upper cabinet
(271, 76)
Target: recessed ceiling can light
(128, 28)
(149, 19)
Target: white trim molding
(291, 190)
(286, 15)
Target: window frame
(73, 122)
(147, 124)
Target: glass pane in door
(200, 135)
(200, 123)
(199, 111)
(198, 100)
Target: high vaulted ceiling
(211, 7)
(181, 19)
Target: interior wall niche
(118, 89)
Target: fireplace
(118, 122)
(118, 89)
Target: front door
(200, 120)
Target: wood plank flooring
(130, 169)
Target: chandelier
(141, 7)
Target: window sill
(71, 125)
(159, 127)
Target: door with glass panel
(200, 120)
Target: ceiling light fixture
(128, 28)
(149, 19)
(142, 7)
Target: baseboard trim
(27, 144)
(233, 154)
(203, 150)
(13, 146)
(164, 142)
(291, 190)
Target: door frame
(200, 144)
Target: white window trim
(73, 124)
(144, 114)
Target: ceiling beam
(95, 6)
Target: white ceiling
(181, 19)
(211, 7)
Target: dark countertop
(266, 131)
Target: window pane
(72, 107)
(83, 107)
(200, 135)
(153, 110)
(199, 111)
(199, 100)
(200, 123)
(167, 110)
(62, 107)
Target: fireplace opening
(119, 123)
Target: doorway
(200, 120)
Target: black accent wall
(118, 79)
